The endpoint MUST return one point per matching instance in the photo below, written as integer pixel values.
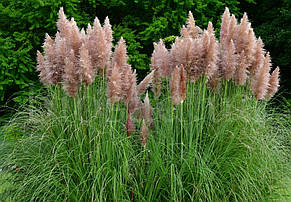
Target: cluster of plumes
(122, 86)
(75, 56)
(239, 56)
(178, 85)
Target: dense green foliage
(23, 25)
(223, 146)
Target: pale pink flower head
(260, 82)
(273, 83)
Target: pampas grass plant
(205, 134)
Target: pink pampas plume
(61, 53)
(241, 70)
(182, 52)
(96, 45)
(224, 27)
(102, 50)
(63, 24)
(231, 30)
(175, 86)
(144, 134)
(132, 97)
(113, 86)
(53, 76)
(214, 81)
(211, 57)
(160, 60)
(41, 68)
(71, 80)
(229, 61)
(130, 128)
(183, 81)
(108, 31)
(147, 112)
(75, 38)
(273, 83)
(178, 85)
(260, 83)
(250, 45)
(120, 54)
(109, 38)
(196, 67)
(157, 85)
(258, 57)
(241, 33)
(191, 30)
(145, 83)
(126, 81)
(86, 69)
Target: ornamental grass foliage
(204, 133)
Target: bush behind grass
(223, 146)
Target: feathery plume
(147, 112)
(113, 86)
(160, 60)
(89, 29)
(273, 83)
(241, 70)
(132, 97)
(183, 81)
(60, 55)
(144, 84)
(71, 81)
(214, 81)
(53, 76)
(103, 51)
(63, 24)
(231, 30)
(184, 32)
(249, 48)
(129, 125)
(212, 53)
(83, 36)
(175, 86)
(120, 54)
(75, 38)
(41, 68)
(144, 134)
(224, 27)
(109, 38)
(108, 31)
(197, 57)
(261, 80)
(205, 43)
(181, 52)
(229, 61)
(193, 30)
(126, 81)
(241, 34)
(86, 71)
(157, 85)
(258, 57)
(95, 44)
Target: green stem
(181, 129)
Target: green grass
(223, 146)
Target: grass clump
(223, 146)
